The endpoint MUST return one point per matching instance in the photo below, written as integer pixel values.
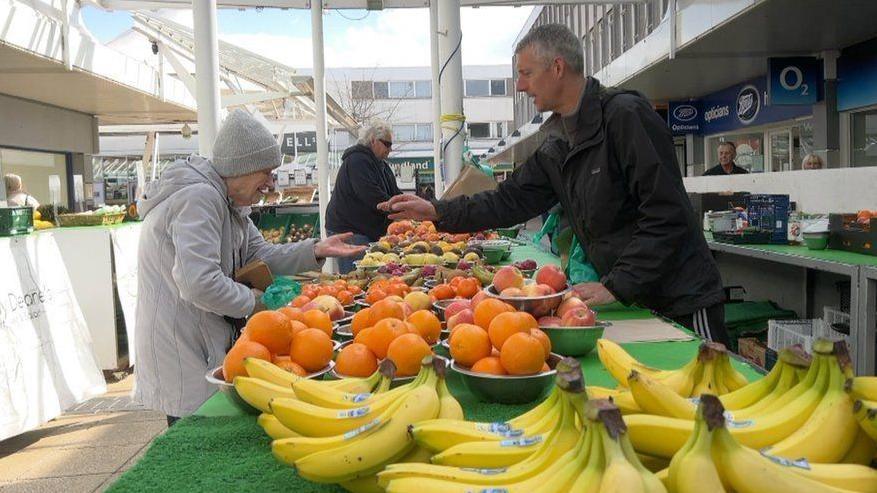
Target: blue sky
(396, 37)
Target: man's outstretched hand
(407, 206)
(335, 246)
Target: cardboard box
(470, 181)
(753, 350)
(256, 275)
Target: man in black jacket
(727, 152)
(363, 181)
(609, 160)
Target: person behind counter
(811, 161)
(364, 181)
(15, 194)
(727, 153)
(196, 233)
(608, 159)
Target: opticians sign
(793, 80)
(745, 105)
(684, 117)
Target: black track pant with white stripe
(708, 323)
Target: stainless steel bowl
(215, 377)
(538, 306)
(441, 305)
(508, 389)
(348, 316)
(575, 341)
(343, 333)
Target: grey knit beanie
(243, 146)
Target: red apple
(508, 277)
(579, 317)
(552, 276)
(477, 299)
(550, 322)
(456, 307)
(545, 289)
(464, 317)
(568, 304)
(328, 305)
(513, 292)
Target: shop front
(857, 104)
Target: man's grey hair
(376, 129)
(12, 183)
(728, 143)
(555, 40)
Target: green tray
(302, 219)
(271, 221)
(16, 221)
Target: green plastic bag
(573, 258)
(280, 293)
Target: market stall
(220, 447)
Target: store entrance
(35, 168)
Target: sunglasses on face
(388, 144)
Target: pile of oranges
(295, 340)
(388, 329)
(405, 230)
(340, 289)
(459, 287)
(382, 288)
(501, 341)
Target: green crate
(272, 221)
(16, 221)
(299, 220)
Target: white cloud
(398, 38)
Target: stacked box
(770, 212)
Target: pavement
(84, 450)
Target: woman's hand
(335, 246)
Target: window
(479, 130)
(382, 90)
(497, 87)
(475, 87)
(424, 132)
(403, 133)
(401, 89)
(863, 138)
(423, 88)
(362, 89)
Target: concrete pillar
(435, 61)
(826, 119)
(206, 73)
(450, 54)
(320, 103)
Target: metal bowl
(507, 254)
(215, 377)
(508, 389)
(348, 316)
(343, 333)
(397, 381)
(575, 341)
(493, 256)
(528, 273)
(441, 305)
(538, 306)
(443, 348)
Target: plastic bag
(280, 293)
(579, 269)
(574, 260)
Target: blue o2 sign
(793, 80)
(684, 117)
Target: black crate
(847, 234)
(716, 201)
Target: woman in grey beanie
(196, 232)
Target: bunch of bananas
(813, 418)
(864, 390)
(712, 459)
(599, 458)
(347, 430)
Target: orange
(292, 367)
(491, 365)
(298, 327)
(379, 337)
(468, 288)
(507, 323)
(292, 313)
(387, 309)
(355, 290)
(300, 301)
(489, 308)
(443, 292)
(543, 338)
(522, 354)
(317, 319)
(344, 297)
(427, 324)
(271, 329)
(398, 289)
(233, 365)
(407, 351)
(374, 295)
(311, 291)
(356, 360)
(312, 349)
(545, 368)
(469, 343)
(361, 320)
(412, 328)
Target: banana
(621, 397)
(449, 406)
(365, 484)
(862, 450)
(364, 457)
(852, 477)
(707, 382)
(493, 454)
(441, 434)
(867, 418)
(315, 392)
(789, 378)
(759, 389)
(258, 393)
(289, 450)
(651, 483)
(591, 476)
(733, 379)
(830, 431)
(655, 398)
(862, 388)
(274, 428)
(266, 370)
(816, 371)
(620, 476)
(619, 362)
(692, 469)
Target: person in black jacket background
(609, 160)
(363, 181)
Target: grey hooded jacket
(191, 241)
